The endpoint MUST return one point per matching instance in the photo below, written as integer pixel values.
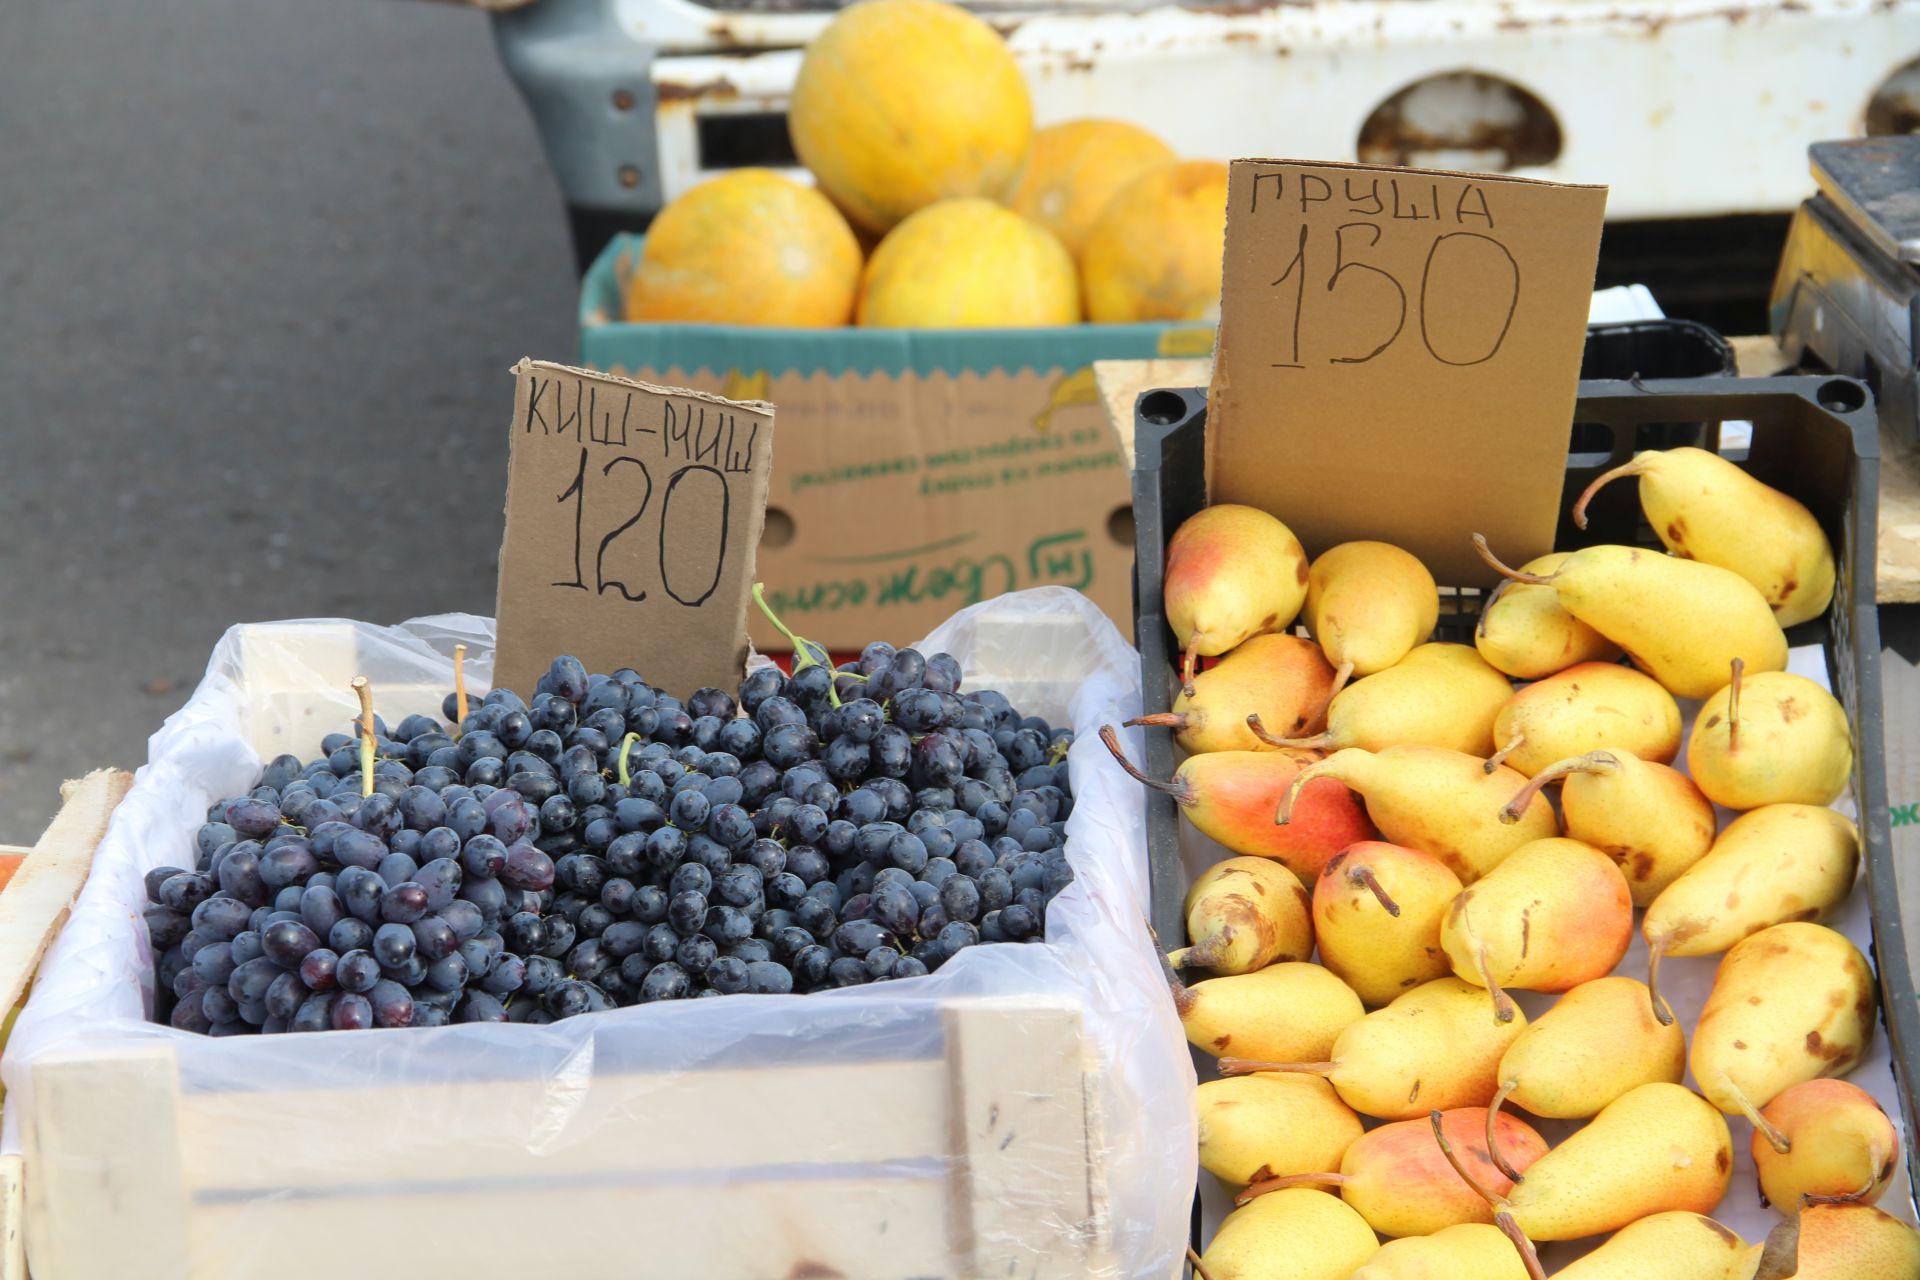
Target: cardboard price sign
(1399, 354)
(633, 515)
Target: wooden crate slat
(42, 893)
(868, 1229)
(694, 1120)
(1024, 1204)
(104, 1197)
(13, 1206)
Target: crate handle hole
(1120, 526)
(1461, 120)
(1162, 408)
(778, 530)
(1894, 108)
(1842, 395)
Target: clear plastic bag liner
(1050, 650)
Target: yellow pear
(1651, 820)
(1368, 604)
(1291, 1012)
(1556, 913)
(1791, 1003)
(1244, 914)
(1402, 1183)
(1596, 1044)
(1772, 738)
(1232, 572)
(1665, 1246)
(1841, 1242)
(1585, 708)
(1285, 680)
(1706, 508)
(1524, 632)
(1439, 695)
(1269, 1126)
(1470, 1251)
(1784, 862)
(1441, 802)
(1824, 1138)
(1659, 1148)
(1296, 1234)
(1439, 1045)
(1377, 909)
(1680, 621)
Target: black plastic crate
(1813, 437)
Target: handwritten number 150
(1347, 243)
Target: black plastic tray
(1813, 437)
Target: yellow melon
(965, 263)
(1076, 168)
(749, 247)
(899, 103)
(1154, 254)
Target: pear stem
(1181, 791)
(1364, 876)
(1341, 674)
(1174, 720)
(1592, 762)
(1183, 996)
(1633, 468)
(1493, 1140)
(1662, 1012)
(460, 682)
(1502, 1218)
(1502, 1002)
(1188, 658)
(1199, 1267)
(1256, 1189)
(1847, 1197)
(1733, 707)
(1446, 1149)
(1486, 606)
(1529, 1258)
(1313, 743)
(1507, 571)
(1253, 1066)
(1499, 757)
(365, 690)
(1201, 955)
(1284, 814)
(1766, 1128)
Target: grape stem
(626, 742)
(365, 690)
(802, 647)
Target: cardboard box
(918, 471)
(1900, 712)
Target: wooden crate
(33, 908)
(981, 1158)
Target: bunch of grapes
(605, 844)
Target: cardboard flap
(634, 515)
(1399, 354)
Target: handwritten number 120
(689, 577)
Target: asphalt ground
(264, 265)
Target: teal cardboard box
(918, 470)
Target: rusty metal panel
(1687, 107)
